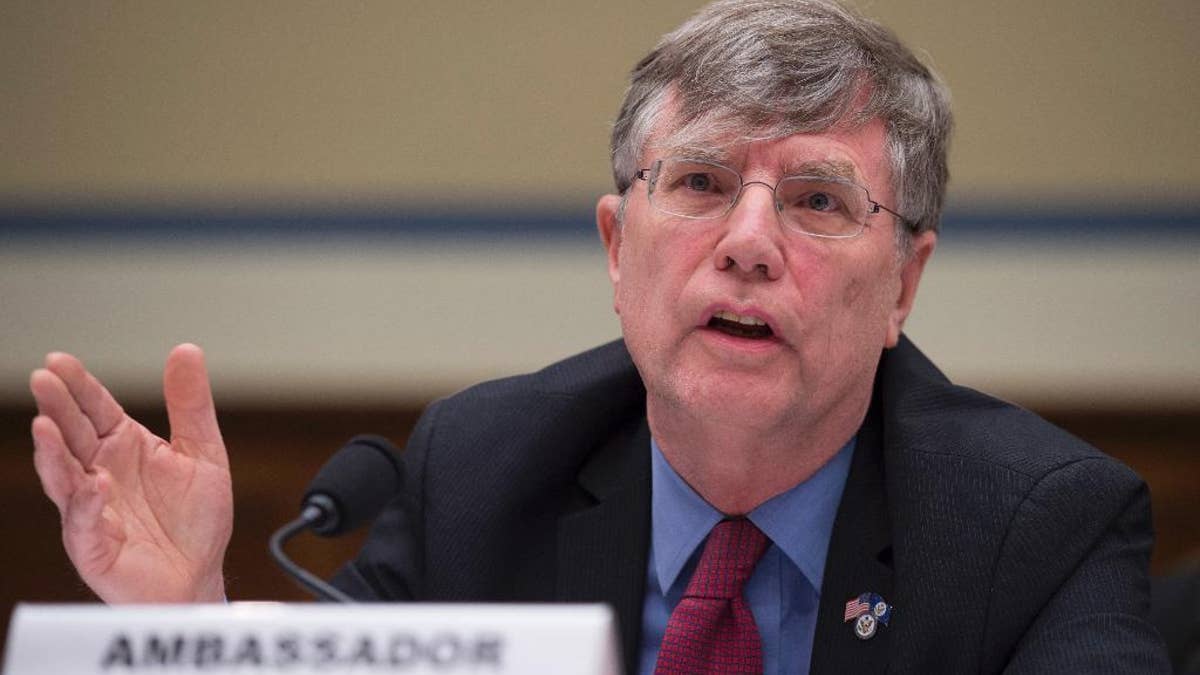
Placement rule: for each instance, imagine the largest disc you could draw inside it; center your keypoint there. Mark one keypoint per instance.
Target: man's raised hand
(143, 519)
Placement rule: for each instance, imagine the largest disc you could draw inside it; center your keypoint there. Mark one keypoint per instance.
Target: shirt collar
(798, 521)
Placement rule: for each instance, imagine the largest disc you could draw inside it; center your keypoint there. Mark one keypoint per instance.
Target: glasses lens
(822, 206)
(693, 189)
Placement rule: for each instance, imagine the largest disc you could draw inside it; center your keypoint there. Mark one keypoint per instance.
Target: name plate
(311, 638)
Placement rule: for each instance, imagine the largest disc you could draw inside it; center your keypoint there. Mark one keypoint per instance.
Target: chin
(724, 400)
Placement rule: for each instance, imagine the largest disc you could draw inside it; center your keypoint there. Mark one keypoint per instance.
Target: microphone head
(354, 485)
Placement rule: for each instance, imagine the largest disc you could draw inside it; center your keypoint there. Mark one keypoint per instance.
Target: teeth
(744, 320)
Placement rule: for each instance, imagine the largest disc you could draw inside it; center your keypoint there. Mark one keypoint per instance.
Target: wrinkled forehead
(715, 136)
(728, 120)
(724, 138)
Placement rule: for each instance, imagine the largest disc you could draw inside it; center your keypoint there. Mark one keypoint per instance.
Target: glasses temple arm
(876, 206)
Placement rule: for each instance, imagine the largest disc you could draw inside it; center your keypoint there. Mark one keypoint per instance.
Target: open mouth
(740, 326)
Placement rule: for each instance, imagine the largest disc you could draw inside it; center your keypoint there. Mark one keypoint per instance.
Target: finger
(190, 405)
(91, 542)
(92, 397)
(56, 467)
(55, 401)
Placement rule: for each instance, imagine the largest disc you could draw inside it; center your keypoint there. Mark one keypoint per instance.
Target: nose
(752, 243)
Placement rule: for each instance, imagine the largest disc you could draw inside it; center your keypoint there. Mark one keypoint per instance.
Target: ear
(910, 277)
(609, 225)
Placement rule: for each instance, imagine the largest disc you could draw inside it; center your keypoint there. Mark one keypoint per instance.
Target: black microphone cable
(305, 579)
(350, 489)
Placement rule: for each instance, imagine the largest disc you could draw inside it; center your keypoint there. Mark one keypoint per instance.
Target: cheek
(656, 263)
(636, 275)
(639, 280)
(866, 304)
(853, 299)
(853, 292)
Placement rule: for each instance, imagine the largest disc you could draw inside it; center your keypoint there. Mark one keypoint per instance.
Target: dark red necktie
(712, 629)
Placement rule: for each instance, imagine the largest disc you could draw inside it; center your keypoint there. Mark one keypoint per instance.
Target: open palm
(143, 519)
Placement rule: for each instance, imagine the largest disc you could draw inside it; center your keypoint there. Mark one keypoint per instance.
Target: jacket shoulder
(928, 415)
(488, 471)
(1026, 527)
(552, 414)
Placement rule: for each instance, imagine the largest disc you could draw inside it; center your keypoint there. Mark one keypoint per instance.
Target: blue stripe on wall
(302, 224)
(308, 224)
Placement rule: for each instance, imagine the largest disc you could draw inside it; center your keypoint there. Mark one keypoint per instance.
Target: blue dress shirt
(785, 588)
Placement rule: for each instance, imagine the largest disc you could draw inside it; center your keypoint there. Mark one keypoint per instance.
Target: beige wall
(332, 101)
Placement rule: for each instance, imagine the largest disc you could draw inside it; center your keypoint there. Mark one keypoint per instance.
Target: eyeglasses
(819, 206)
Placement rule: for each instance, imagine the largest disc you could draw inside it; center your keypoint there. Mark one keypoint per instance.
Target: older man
(764, 475)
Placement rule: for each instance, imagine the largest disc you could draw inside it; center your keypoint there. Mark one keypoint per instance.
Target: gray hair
(773, 68)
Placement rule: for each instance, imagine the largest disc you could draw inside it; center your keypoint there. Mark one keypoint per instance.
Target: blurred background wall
(356, 207)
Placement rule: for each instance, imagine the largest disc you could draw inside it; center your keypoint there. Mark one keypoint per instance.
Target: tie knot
(730, 554)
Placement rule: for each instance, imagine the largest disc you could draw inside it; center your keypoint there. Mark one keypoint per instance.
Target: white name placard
(309, 638)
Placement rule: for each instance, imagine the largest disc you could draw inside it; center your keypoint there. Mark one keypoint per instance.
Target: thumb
(190, 407)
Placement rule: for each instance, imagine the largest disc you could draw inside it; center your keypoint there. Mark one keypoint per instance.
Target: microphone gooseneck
(307, 580)
(350, 489)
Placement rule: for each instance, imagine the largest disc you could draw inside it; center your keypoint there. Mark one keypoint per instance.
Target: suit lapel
(602, 546)
(859, 561)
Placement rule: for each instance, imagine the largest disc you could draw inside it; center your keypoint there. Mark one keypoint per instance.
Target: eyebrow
(825, 168)
(703, 153)
(818, 168)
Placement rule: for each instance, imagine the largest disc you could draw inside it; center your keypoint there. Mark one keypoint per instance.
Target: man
(780, 170)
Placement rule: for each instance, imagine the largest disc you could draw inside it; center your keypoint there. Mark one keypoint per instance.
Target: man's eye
(819, 201)
(700, 182)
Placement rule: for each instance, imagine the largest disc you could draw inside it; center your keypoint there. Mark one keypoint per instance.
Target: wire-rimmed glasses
(819, 206)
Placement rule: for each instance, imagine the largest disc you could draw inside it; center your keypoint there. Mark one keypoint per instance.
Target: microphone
(350, 489)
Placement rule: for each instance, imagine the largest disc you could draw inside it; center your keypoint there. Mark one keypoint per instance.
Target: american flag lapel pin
(867, 611)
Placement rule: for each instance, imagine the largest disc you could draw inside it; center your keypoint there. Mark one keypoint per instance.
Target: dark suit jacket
(1000, 540)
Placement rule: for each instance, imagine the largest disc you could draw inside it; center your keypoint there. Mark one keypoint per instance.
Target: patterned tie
(712, 629)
